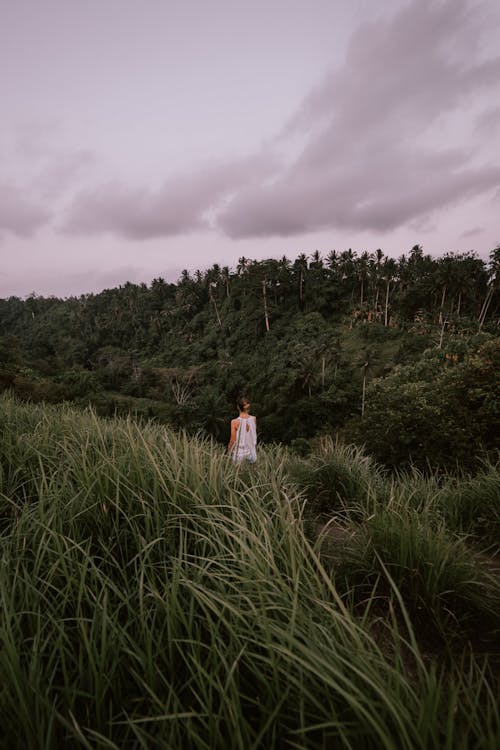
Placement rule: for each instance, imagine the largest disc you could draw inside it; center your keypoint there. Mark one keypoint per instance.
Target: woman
(243, 440)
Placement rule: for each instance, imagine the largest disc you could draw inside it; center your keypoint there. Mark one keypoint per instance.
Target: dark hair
(241, 401)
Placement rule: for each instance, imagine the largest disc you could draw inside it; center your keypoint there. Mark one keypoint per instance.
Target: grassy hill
(153, 595)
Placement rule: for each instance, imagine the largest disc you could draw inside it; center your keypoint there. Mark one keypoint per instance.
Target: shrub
(472, 506)
(336, 477)
(446, 589)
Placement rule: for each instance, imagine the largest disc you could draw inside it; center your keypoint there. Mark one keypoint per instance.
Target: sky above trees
(137, 139)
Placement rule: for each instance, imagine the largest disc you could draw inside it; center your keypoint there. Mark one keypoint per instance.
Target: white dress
(246, 441)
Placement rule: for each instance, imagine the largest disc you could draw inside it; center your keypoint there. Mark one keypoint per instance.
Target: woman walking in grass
(243, 440)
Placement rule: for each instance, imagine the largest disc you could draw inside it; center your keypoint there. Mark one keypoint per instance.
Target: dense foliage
(397, 354)
(153, 595)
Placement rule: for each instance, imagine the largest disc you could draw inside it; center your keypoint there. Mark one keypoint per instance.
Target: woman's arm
(232, 439)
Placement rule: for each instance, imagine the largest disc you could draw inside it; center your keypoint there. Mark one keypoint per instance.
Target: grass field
(154, 596)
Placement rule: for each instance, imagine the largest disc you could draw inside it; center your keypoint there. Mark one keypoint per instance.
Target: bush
(472, 506)
(336, 477)
(444, 587)
(436, 414)
(38, 389)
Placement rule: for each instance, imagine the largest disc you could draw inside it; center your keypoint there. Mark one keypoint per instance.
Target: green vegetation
(436, 413)
(152, 595)
(344, 592)
(398, 356)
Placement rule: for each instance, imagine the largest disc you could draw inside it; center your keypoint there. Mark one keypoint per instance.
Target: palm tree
(362, 267)
(242, 266)
(469, 276)
(242, 271)
(316, 260)
(444, 278)
(225, 276)
(493, 284)
(283, 277)
(332, 262)
(375, 268)
(389, 273)
(300, 266)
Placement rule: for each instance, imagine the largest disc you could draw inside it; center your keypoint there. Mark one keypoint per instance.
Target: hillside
(382, 352)
(154, 596)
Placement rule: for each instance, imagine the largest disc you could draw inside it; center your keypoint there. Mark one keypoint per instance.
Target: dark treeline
(400, 355)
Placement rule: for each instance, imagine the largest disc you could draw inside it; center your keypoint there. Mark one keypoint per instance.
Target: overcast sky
(141, 137)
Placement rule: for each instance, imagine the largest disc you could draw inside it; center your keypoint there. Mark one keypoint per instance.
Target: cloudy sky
(141, 137)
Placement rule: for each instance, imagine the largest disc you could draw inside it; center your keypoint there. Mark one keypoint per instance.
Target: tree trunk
(484, 309)
(441, 336)
(386, 303)
(443, 297)
(216, 308)
(266, 315)
(365, 366)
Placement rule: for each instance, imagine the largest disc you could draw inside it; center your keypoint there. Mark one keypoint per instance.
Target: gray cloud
(373, 154)
(180, 205)
(19, 213)
(393, 194)
(62, 169)
(473, 232)
(45, 170)
(364, 164)
(405, 70)
(488, 124)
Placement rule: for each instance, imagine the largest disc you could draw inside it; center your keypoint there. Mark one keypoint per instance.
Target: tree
(389, 274)
(362, 268)
(441, 413)
(493, 284)
(300, 269)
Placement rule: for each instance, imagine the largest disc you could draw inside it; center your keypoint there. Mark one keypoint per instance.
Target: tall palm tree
(362, 269)
(389, 274)
(300, 266)
(332, 262)
(493, 283)
(375, 273)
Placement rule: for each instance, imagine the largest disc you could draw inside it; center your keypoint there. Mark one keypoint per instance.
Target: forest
(399, 356)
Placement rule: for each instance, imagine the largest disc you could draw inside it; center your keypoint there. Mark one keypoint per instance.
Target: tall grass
(446, 587)
(152, 595)
(337, 477)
